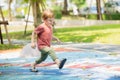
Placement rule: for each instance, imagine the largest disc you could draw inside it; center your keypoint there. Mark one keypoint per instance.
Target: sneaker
(62, 63)
(33, 70)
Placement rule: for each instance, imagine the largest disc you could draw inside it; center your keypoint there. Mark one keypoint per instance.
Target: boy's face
(49, 21)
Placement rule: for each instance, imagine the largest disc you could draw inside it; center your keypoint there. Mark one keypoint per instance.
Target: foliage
(19, 16)
(92, 16)
(57, 11)
(7, 46)
(79, 3)
(105, 16)
(112, 16)
(5, 13)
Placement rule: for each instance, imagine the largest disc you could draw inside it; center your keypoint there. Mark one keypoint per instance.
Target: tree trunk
(37, 7)
(9, 9)
(65, 11)
(6, 30)
(1, 38)
(36, 13)
(99, 15)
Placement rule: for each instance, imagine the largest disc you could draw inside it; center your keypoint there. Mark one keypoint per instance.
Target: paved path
(88, 46)
(92, 46)
(84, 62)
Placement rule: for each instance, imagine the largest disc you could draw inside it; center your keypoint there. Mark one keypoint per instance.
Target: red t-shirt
(44, 36)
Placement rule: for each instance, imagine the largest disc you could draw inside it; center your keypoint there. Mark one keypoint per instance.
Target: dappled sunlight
(100, 35)
(111, 39)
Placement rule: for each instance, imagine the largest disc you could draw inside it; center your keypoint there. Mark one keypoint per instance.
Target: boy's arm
(55, 39)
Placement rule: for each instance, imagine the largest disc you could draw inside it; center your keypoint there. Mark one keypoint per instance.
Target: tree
(65, 11)
(9, 9)
(99, 15)
(37, 7)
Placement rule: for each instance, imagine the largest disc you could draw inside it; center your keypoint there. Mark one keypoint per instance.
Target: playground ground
(84, 62)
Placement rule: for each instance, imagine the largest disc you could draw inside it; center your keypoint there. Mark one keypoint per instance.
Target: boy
(44, 37)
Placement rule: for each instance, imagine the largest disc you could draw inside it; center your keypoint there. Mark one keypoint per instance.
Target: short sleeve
(39, 30)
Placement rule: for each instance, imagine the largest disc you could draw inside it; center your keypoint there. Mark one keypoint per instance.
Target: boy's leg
(54, 58)
(42, 58)
(49, 51)
(52, 54)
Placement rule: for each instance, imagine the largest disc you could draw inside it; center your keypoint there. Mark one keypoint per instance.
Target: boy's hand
(33, 45)
(58, 41)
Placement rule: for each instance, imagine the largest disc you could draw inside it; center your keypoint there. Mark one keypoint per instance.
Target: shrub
(57, 12)
(105, 16)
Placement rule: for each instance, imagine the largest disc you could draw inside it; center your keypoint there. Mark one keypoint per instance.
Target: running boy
(44, 37)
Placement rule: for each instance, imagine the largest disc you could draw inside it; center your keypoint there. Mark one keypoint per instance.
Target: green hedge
(105, 16)
(57, 11)
(58, 14)
(19, 16)
(112, 16)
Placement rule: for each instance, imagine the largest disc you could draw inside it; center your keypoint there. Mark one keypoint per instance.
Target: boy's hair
(47, 14)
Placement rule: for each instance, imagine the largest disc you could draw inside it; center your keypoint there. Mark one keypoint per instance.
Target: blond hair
(47, 14)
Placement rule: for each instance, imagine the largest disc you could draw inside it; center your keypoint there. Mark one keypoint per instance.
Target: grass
(103, 34)
(6, 46)
(109, 34)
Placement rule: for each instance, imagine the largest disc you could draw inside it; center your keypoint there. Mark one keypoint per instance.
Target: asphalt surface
(110, 48)
(85, 61)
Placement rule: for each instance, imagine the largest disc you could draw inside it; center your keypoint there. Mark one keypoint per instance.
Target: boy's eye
(50, 20)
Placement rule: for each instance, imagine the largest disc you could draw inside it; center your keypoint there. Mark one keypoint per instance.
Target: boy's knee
(52, 54)
(51, 51)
